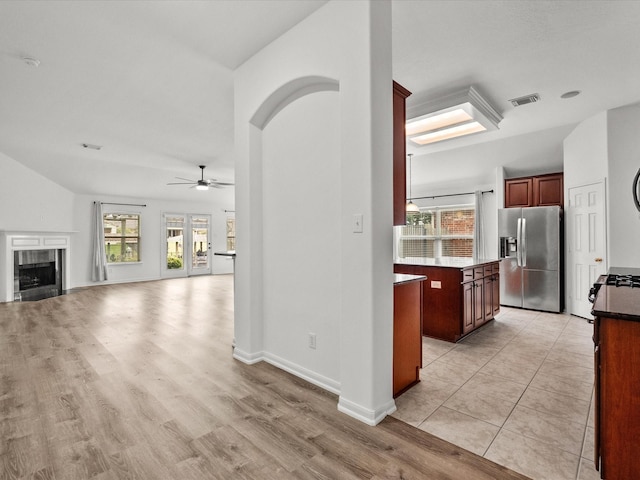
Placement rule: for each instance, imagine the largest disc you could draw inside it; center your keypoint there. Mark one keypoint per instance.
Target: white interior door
(586, 244)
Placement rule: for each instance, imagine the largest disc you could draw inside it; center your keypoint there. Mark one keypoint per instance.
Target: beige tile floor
(518, 391)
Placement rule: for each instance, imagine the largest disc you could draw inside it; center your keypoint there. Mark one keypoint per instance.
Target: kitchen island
(460, 295)
(617, 376)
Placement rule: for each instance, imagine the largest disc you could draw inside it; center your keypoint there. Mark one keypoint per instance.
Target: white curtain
(99, 266)
(478, 230)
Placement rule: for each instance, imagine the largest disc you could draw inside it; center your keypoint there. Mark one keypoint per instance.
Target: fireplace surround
(33, 265)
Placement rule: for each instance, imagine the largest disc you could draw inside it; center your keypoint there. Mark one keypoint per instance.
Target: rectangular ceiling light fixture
(461, 113)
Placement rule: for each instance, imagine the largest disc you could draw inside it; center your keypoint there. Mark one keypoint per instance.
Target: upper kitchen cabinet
(399, 154)
(538, 191)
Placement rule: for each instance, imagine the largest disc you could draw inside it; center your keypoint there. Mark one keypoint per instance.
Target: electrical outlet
(312, 340)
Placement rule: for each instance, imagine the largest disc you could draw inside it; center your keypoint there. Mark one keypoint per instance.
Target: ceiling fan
(202, 184)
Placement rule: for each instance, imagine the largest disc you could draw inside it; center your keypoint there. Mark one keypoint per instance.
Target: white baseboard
(321, 381)
(366, 415)
(248, 358)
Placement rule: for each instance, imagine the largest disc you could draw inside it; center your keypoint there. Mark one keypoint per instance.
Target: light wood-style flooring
(137, 381)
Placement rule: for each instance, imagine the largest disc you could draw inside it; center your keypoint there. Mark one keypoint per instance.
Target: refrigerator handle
(523, 239)
(518, 243)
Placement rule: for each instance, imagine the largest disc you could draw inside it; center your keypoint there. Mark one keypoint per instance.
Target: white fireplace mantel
(12, 241)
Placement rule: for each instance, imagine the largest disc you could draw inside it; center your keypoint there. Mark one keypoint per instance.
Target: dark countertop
(618, 302)
(405, 278)
(448, 262)
(230, 253)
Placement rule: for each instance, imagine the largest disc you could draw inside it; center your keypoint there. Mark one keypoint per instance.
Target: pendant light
(411, 207)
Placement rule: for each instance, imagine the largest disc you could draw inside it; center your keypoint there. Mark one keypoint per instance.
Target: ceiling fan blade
(181, 183)
(213, 181)
(187, 179)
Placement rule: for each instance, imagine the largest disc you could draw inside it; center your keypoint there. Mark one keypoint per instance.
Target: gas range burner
(632, 281)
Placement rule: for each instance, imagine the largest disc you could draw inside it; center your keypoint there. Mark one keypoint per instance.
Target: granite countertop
(405, 278)
(452, 262)
(618, 302)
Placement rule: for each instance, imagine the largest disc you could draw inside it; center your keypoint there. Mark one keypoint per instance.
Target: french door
(187, 245)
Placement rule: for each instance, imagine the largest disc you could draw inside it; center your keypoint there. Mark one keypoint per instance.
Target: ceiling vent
(517, 102)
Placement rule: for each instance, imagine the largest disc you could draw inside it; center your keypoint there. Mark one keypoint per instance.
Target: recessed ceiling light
(571, 94)
(32, 62)
(92, 147)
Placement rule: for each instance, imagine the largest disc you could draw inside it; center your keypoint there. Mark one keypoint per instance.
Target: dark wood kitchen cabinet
(407, 333)
(537, 191)
(456, 300)
(399, 154)
(518, 192)
(495, 288)
(617, 397)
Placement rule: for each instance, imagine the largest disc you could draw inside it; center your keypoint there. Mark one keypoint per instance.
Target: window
(231, 234)
(438, 232)
(122, 237)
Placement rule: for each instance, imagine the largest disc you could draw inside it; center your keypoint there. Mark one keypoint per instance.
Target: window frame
(123, 237)
(436, 234)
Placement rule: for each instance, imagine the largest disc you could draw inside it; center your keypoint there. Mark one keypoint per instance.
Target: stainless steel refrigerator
(531, 251)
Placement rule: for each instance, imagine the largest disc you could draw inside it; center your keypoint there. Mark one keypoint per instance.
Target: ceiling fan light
(202, 187)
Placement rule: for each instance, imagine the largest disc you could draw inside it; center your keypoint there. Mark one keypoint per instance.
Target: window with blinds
(437, 232)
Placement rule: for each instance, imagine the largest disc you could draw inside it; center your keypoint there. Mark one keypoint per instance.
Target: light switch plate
(357, 223)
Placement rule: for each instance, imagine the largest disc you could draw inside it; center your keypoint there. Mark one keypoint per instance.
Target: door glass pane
(175, 244)
(231, 234)
(200, 236)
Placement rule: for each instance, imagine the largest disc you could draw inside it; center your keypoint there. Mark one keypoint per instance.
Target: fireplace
(37, 274)
(34, 265)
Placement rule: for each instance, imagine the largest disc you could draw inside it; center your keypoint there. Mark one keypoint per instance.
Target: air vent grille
(517, 102)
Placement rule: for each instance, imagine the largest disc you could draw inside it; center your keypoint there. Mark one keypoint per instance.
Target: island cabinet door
(407, 335)
(468, 313)
(478, 302)
(487, 288)
(495, 297)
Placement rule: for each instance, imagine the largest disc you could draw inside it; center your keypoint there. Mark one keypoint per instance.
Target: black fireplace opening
(37, 274)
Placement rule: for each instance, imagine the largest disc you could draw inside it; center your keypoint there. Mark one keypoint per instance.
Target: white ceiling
(152, 82)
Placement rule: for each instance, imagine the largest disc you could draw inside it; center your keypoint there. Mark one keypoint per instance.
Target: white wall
(335, 45)
(301, 235)
(31, 202)
(585, 153)
(624, 161)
